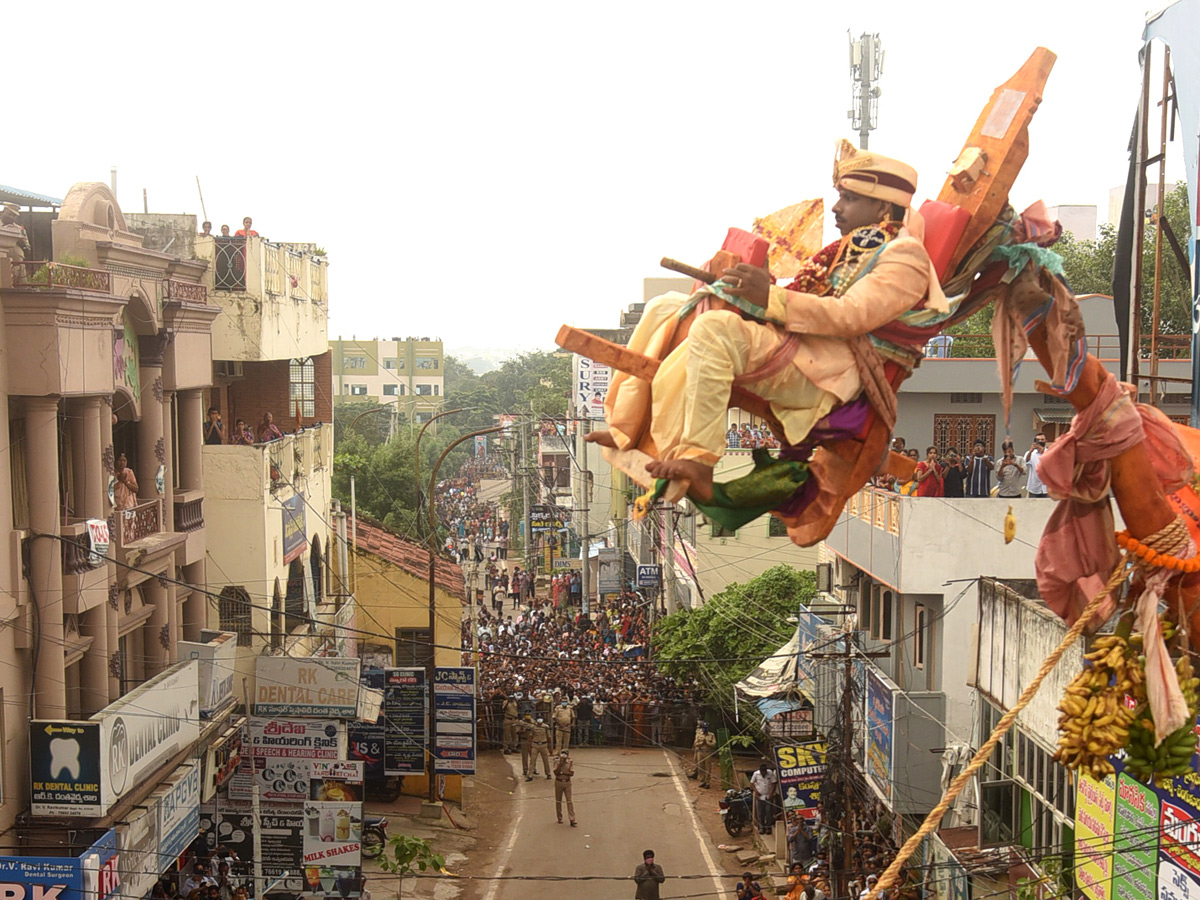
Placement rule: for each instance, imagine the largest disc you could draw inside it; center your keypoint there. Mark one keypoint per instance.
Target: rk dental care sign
(320, 687)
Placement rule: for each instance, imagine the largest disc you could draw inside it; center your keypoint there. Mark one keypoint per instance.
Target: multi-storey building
(107, 354)
(408, 373)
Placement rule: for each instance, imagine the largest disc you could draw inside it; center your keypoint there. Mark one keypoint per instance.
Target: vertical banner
(454, 720)
(1135, 856)
(880, 713)
(591, 387)
(801, 768)
(405, 738)
(333, 815)
(1179, 841)
(1095, 811)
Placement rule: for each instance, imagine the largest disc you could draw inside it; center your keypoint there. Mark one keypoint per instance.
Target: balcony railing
(141, 522)
(185, 291)
(76, 552)
(189, 511)
(50, 274)
(229, 264)
(1101, 346)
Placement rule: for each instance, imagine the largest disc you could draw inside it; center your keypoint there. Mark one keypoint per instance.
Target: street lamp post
(417, 455)
(431, 544)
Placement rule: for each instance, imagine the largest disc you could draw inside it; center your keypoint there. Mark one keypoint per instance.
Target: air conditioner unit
(228, 368)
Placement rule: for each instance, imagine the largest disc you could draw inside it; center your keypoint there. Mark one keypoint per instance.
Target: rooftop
(409, 556)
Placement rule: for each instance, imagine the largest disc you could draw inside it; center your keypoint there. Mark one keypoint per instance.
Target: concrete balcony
(274, 296)
(188, 520)
(260, 470)
(139, 535)
(85, 585)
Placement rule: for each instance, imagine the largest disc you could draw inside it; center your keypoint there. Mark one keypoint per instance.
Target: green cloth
(735, 503)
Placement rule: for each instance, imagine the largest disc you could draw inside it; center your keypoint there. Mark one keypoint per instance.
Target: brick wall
(265, 386)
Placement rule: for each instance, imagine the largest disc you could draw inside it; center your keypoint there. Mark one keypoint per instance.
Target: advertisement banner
(333, 814)
(591, 387)
(282, 841)
(1135, 856)
(231, 824)
(547, 518)
(295, 532)
(611, 577)
(139, 863)
(791, 725)
(277, 754)
(322, 687)
(405, 734)
(801, 768)
(454, 720)
(63, 877)
(216, 656)
(1095, 812)
(178, 813)
(1179, 840)
(64, 769)
(880, 713)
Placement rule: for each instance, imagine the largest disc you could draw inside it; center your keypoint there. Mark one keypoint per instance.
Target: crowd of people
(946, 473)
(750, 437)
(240, 433)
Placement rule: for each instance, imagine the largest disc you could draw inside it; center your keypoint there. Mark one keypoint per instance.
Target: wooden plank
(1002, 133)
(606, 352)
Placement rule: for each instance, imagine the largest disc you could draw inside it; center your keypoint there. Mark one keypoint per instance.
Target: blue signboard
(649, 576)
(90, 876)
(295, 533)
(807, 626)
(403, 717)
(454, 720)
(179, 815)
(801, 769)
(366, 741)
(880, 713)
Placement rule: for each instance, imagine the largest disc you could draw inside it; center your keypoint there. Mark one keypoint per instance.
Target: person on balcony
(214, 430)
(268, 431)
(206, 229)
(224, 231)
(241, 435)
(125, 486)
(246, 230)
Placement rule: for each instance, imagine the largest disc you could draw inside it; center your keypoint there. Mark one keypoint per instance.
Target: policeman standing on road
(510, 721)
(704, 747)
(541, 746)
(564, 769)
(564, 721)
(524, 729)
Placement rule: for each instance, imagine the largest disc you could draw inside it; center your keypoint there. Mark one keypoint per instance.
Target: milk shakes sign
(322, 687)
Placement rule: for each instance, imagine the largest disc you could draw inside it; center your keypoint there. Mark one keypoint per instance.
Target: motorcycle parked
(737, 809)
(374, 836)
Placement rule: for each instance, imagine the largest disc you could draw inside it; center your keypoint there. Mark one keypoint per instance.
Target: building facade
(407, 373)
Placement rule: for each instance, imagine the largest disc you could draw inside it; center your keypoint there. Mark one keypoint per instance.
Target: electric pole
(866, 65)
(584, 511)
(668, 557)
(528, 537)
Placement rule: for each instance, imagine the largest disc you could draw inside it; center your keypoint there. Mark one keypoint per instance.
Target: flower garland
(853, 251)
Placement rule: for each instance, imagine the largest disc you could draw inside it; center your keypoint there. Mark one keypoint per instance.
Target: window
(885, 628)
(436, 390)
(413, 647)
(354, 362)
(864, 605)
(302, 388)
(389, 363)
(776, 527)
(391, 390)
(959, 432)
(294, 605)
(424, 362)
(966, 398)
(422, 417)
(997, 792)
(919, 636)
(720, 531)
(234, 610)
(358, 390)
(424, 390)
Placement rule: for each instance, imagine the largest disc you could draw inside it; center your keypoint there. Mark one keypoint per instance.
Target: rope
(890, 876)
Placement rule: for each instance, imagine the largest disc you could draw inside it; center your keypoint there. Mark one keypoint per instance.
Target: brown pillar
(157, 626)
(91, 491)
(195, 607)
(45, 579)
(115, 575)
(168, 435)
(151, 442)
(191, 438)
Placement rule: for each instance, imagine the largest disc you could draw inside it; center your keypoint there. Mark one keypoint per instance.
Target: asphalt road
(626, 801)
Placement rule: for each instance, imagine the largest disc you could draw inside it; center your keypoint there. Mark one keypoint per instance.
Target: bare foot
(700, 475)
(603, 437)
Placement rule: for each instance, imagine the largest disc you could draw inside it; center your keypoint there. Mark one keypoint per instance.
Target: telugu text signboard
(454, 720)
(1095, 812)
(801, 768)
(404, 709)
(1136, 850)
(277, 753)
(547, 518)
(322, 687)
(90, 876)
(65, 769)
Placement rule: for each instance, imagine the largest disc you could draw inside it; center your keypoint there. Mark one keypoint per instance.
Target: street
(626, 801)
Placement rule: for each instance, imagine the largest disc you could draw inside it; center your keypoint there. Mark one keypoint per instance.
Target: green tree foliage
(727, 637)
(410, 855)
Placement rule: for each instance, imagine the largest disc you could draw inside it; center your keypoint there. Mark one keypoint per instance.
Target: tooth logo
(64, 754)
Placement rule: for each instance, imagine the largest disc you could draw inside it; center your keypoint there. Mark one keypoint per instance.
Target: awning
(26, 198)
(1055, 416)
(772, 706)
(777, 675)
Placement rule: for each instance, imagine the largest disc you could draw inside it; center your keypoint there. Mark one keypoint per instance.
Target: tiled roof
(27, 198)
(409, 556)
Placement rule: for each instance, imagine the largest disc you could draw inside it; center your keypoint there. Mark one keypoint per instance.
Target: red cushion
(944, 226)
(750, 247)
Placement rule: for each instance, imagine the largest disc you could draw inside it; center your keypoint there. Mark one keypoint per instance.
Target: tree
(409, 856)
(726, 638)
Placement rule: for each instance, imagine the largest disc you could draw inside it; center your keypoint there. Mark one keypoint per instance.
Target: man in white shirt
(1034, 485)
(764, 781)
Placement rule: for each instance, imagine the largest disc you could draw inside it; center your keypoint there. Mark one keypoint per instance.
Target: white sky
(484, 172)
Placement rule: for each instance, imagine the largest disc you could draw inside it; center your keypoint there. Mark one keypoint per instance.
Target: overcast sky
(484, 172)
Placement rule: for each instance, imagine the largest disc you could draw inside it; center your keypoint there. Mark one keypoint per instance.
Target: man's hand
(748, 282)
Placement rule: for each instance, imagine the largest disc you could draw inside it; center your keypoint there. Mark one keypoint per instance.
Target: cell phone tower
(866, 65)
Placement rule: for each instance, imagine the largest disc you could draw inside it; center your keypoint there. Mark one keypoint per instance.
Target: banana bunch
(1094, 722)
(1173, 756)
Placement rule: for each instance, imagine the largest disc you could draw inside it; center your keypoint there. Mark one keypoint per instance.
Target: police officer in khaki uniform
(524, 732)
(510, 721)
(540, 734)
(564, 770)
(704, 747)
(564, 721)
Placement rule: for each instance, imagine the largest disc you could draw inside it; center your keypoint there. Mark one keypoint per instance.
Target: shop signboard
(1135, 856)
(801, 768)
(610, 578)
(282, 840)
(879, 715)
(139, 862)
(277, 755)
(322, 687)
(216, 654)
(333, 814)
(179, 812)
(547, 518)
(649, 576)
(295, 532)
(405, 733)
(229, 824)
(147, 727)
(591, 387)
(454, 720)
(1095, 815)
(90, 876)
(64, 769)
